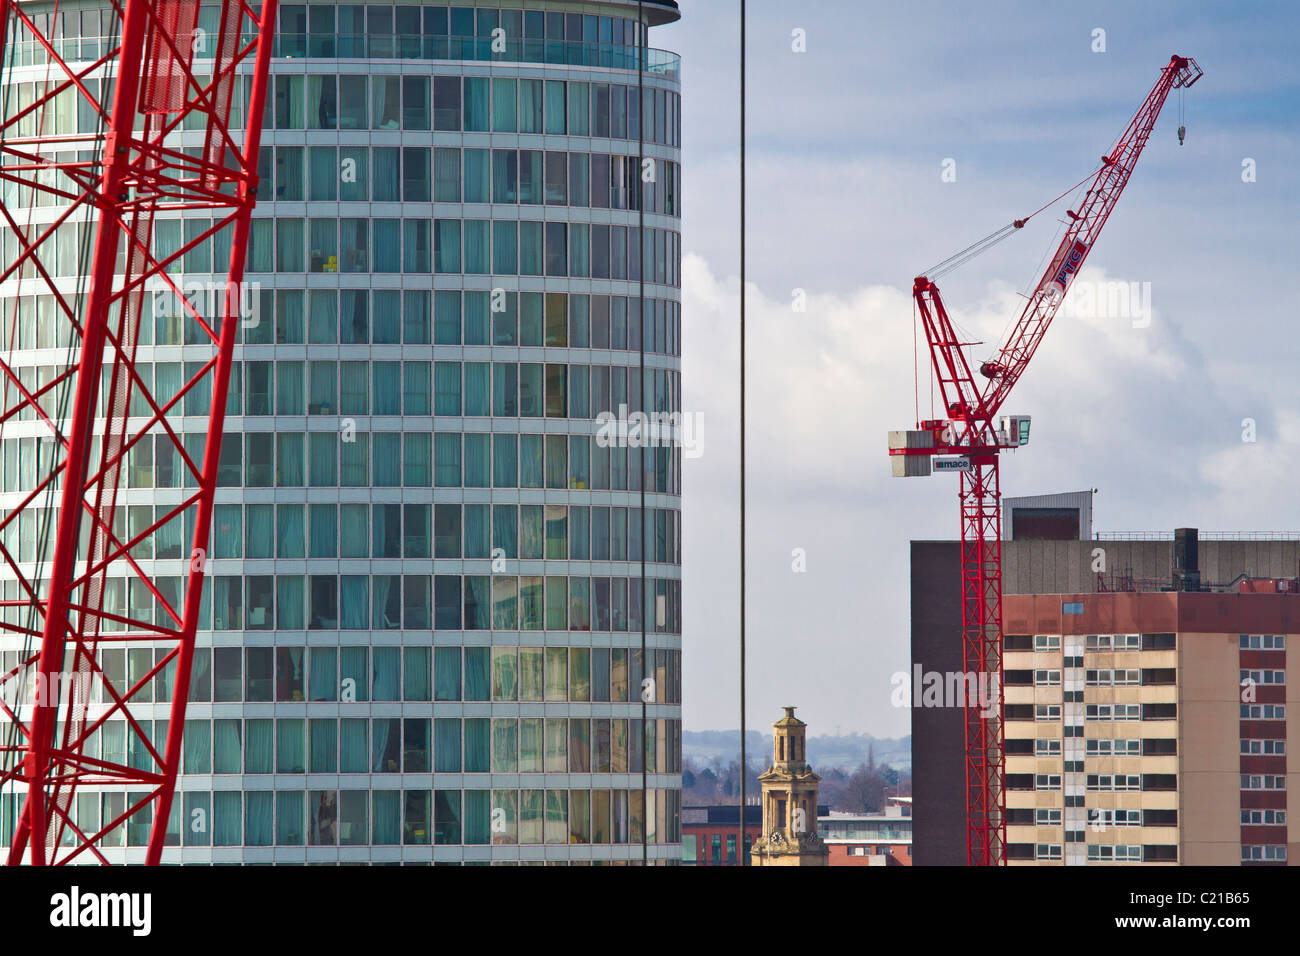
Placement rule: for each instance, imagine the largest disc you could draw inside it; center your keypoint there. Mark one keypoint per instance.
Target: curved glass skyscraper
(443, 613)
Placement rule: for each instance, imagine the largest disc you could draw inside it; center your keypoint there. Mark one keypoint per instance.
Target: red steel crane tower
(165, 116)
(973, 435)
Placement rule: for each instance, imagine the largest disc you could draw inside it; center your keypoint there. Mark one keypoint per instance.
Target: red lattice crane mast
(971, 433)
(163, 138)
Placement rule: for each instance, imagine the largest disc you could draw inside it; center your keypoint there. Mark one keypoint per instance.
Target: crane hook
(1182, 134)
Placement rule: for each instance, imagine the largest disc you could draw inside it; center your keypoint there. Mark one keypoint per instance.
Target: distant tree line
(860, 791)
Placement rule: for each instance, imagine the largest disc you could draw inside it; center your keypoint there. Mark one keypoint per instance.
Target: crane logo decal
(1070, 264)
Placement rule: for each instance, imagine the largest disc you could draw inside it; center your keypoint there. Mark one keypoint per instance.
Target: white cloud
(1131, 411)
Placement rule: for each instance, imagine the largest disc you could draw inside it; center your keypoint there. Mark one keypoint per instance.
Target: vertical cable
(640, 202)
(740, 848)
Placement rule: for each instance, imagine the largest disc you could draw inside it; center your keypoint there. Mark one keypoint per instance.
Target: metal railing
(609, 56)
(1203, 536)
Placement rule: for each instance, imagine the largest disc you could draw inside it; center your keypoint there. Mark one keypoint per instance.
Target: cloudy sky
(847, 145)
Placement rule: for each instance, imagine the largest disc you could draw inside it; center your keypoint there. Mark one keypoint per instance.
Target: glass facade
(421, 634)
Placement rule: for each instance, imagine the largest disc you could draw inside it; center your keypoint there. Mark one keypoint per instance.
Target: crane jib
(1069, 265)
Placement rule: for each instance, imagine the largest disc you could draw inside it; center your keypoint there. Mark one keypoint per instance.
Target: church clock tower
(790, 802)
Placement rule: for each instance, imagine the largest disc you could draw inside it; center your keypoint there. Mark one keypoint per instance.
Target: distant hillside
(846, 751)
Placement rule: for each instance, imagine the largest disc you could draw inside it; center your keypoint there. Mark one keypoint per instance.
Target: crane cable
(993, 238)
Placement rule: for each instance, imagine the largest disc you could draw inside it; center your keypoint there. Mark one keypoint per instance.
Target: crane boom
(1080, 236)
(969, 431)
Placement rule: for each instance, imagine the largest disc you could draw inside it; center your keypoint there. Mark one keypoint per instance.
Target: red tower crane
(157, 103)
(971, 433)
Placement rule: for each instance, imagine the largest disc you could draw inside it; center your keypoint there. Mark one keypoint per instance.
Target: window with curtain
(503, 106)
(290, 595)
(386, 102)
(354, 748)
(415, 316)
(555, 111)
(446, 175)
(446, 745)
(417, 451)
(387, 601)
(530, 461)
(387, 387)
(290, 745)
(259, 746)
(387, 459)
(415, 388)
(530, 106)
(477, 531)
(387, 673)
(289, 238)
(354, 325)
(323, 317)
(476, 115)
(387, 817)
(505, 254)
(478, 461)
(324, 732)
(447, 246)
(323, 459)
(354, 378)
(290, 536)
(354, 530)
(289, 388)
(354, 593)
(355, 461)
(476, 175)
(477, 260)
(579, 109)
(416, 245)
(227, 531)
(447, 470)
(289, 810)
(386, 163)
(289, 453)
(505, 532)
(415, 673)
(447, 388)
(447, 673)
(323, 670)
(226, 812)
(531, 249)
(323, 173)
